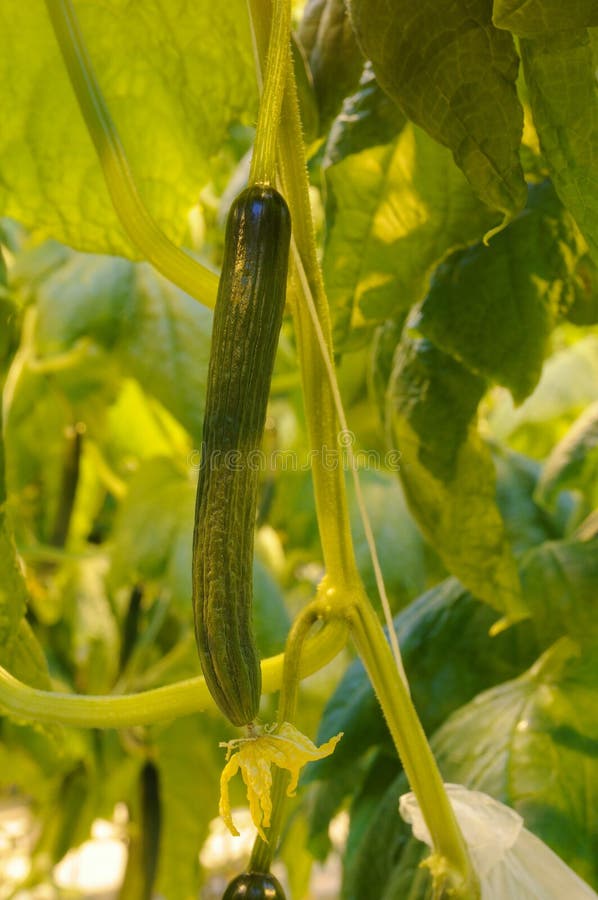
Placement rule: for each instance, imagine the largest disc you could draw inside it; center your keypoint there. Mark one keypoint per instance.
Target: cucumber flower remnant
(509, 860)
(287, 748)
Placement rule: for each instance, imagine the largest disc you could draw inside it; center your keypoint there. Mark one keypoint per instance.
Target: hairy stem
(263, 161)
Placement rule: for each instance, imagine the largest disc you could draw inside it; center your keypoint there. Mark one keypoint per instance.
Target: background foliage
(477, 360)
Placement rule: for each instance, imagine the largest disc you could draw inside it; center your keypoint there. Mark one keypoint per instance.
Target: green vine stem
(263, 160)
(320, 413)
(183, 698)
(413, 749)
(141, 228)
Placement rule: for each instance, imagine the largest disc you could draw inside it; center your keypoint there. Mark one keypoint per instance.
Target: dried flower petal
(284, 747)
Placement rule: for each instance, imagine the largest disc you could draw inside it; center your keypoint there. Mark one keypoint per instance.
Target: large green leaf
(334, 57)
(368, 118)
(560, 72)
(559, 582)
(532, 743)
(394, 211)
(454, 74)
(493, 308)
(175, 76)
(531, 17)
(447, 472)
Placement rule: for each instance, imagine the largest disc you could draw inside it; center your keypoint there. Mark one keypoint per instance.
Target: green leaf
(157, 333)
(560, 71)
(189, 764)
(573, 463)
(157, 91)
(393, 212)
(447, 472)
(453, 73)
(493, 307)
(530, 17)
(532, 743)
(559, 583)
(334, 57)
(368, 118)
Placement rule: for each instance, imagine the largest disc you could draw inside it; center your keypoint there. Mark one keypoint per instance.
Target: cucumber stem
(263, 160)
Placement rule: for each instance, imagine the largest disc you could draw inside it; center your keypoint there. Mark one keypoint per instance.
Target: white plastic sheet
(511, 862)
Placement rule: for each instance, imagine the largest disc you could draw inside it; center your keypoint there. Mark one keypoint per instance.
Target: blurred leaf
(559, 582)
(447, 471)
(401, 550)
(189, 763)
(382, 351)
(296, 857)
(526, 523)
(153, 529)
(271, 620)
(531, 17)
(156, 92)
(568, 384)
(334, 58)
(93, 635)
(393, 212)
(453, 74)
(493, 308)
(573, 463)
(559, 70)
(532, 743)
(158, 334)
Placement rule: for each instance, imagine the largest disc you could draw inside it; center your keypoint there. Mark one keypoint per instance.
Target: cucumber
(247, 322)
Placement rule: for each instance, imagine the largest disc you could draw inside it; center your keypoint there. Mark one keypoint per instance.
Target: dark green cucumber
(254, 886)
(247, 321)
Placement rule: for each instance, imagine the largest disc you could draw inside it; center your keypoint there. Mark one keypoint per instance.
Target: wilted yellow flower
(287, 748)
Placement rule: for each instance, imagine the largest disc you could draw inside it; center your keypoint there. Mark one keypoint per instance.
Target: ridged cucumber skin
(247, 322)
